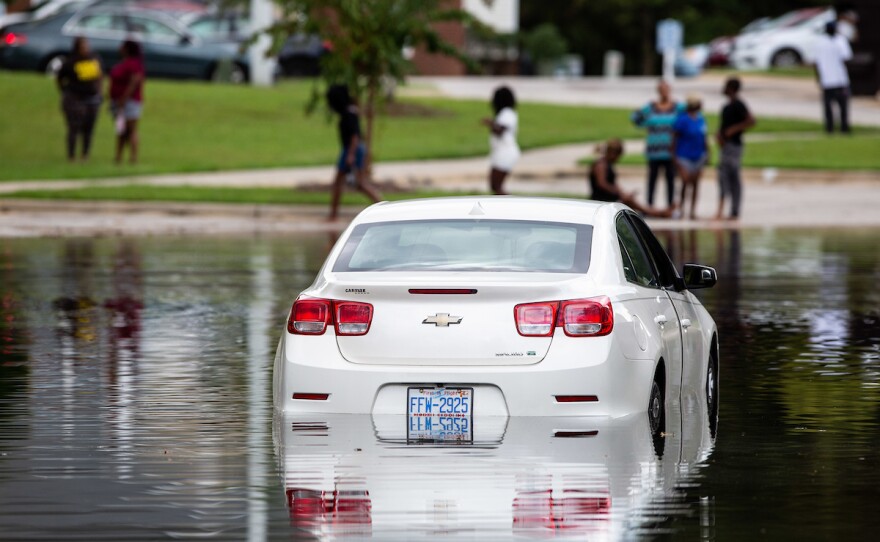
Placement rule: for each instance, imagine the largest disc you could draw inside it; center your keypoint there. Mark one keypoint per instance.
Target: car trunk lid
(445, 318)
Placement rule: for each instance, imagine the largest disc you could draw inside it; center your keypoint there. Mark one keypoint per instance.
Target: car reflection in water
(359, 475)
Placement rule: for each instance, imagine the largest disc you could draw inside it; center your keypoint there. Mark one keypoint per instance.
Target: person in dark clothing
(79, 81)
(735, 119)
(350, 165)
(603, 182)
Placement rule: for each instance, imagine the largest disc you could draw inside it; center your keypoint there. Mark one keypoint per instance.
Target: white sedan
(449, 309)
(784, 42)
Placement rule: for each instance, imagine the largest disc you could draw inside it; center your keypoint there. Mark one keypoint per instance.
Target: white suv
(787, 41)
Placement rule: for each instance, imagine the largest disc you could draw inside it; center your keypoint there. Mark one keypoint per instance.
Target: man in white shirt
(832, 52)
(847, 21)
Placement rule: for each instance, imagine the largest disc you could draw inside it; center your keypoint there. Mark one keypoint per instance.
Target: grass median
(857, 152)
(211, 194)
(195, 126)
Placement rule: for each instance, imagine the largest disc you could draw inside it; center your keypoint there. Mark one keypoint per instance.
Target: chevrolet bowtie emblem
(442, 319)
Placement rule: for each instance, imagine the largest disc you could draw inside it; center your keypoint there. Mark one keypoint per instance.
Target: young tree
(368, 39)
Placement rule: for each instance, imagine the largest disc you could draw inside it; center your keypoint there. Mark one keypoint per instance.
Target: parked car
(447, 309)
(784, 42)
(721, 47)
(691, 60)
(178, 8)
(232, 26)
(300, 55)
(170, 50)
(41, 10)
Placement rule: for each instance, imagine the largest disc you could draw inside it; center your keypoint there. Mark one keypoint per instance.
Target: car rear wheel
(657, 412)
(786, 58)
(228, 72)
(237, 75)
(712, 390)
(53, 64)
(655, 407)
(712, 385)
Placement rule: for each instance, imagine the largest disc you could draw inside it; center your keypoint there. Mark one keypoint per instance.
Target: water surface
(135, 404)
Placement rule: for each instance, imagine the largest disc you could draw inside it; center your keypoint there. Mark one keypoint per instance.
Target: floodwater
(135, 404)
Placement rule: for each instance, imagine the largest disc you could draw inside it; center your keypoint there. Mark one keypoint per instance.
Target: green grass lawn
(857, 152)
(194, 126)
(802, 72)
(860, 151)
(203, 194)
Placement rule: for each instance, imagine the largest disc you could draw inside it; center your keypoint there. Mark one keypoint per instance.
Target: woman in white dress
(502, 138)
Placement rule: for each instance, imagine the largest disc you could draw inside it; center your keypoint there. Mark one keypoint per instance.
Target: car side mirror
(699, 276)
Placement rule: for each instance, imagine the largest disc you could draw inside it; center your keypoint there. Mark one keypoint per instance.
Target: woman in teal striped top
(657, 117)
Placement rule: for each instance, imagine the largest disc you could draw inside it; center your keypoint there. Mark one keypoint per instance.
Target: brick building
(500, 15)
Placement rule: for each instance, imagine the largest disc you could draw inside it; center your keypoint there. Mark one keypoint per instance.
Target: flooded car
(448, 310)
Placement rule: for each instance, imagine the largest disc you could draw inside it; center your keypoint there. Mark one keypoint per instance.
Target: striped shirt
(658, 145)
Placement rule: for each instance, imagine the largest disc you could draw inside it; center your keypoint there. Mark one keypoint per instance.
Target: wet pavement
(135, 404)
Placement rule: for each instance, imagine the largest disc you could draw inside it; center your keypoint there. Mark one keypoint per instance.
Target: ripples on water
(135, 403)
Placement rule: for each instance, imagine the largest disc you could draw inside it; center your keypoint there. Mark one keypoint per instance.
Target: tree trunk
(647, 42)
(370, 114)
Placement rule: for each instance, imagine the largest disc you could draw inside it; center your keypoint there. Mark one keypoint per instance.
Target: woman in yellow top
(79, 80)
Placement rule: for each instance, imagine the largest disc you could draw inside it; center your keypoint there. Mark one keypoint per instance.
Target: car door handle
(685, 323)
(660, 319)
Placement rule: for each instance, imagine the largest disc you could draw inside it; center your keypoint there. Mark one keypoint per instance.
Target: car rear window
(467, 245)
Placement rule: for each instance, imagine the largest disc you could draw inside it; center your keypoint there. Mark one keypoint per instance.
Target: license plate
(440, 415)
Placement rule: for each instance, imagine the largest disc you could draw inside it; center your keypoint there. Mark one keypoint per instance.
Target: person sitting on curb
(603, 177)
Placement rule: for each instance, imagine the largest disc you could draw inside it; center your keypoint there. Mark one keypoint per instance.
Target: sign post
(670, 37)
(262, 69)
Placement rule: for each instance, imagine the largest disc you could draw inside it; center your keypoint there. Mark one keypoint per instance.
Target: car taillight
(591, 317)
(536, 319)
(12, 39)
(311, 316)
(587, 317)
(353, 318)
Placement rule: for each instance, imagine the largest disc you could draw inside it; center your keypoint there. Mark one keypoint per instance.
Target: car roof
(487, 207)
